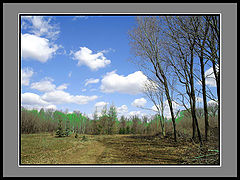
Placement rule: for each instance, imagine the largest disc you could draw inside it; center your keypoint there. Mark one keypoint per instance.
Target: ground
(44, 148)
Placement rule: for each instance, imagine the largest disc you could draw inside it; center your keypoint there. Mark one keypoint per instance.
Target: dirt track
(112, 149)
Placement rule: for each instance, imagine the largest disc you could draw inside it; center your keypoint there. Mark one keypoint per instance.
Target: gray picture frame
(228, 129)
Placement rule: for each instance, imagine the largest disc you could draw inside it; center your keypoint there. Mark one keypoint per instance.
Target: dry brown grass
(44, 148)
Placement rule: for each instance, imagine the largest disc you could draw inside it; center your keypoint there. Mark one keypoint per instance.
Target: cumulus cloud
(26, 74)
(32, 99)
(44, 85)
(79, 99)
(212, 102)
(91, 81)
(99, 107)
(37, 48)
(51, 106)
(139, 102)
(57, 95)
(52, 96)
(122, 110)
(62, 87)
(136, 113)
(41, 26)
(130, 84)
(62, 97)
(101, 104)
(86, 57)
(210, 78)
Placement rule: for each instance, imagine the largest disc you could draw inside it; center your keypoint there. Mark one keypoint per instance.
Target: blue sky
(80, 63)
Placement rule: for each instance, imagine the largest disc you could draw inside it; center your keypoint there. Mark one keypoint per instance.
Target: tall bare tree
(182, 36)
(213, 52)
(146, 41)
(200, 51)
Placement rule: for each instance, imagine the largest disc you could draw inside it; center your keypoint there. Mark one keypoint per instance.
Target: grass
(45, 148)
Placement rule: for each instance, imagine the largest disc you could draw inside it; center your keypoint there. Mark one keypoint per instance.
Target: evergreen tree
(60, 132)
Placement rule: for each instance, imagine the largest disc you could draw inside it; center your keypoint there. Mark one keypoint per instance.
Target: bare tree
(182, 37)
(146, 41)
(212, 50)
(200, 49)
(155, 92)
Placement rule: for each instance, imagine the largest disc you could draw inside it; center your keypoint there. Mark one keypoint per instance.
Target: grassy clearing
(44, 148)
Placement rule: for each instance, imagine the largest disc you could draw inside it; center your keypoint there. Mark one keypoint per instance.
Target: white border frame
(122, 166)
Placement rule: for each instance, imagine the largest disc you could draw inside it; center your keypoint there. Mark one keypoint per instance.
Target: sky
(80, 63)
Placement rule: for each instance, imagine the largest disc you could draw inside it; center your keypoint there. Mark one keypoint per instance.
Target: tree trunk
(204, 99)
(192, 93)
(172, 113)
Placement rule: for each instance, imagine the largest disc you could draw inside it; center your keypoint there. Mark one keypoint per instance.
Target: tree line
(106, 123)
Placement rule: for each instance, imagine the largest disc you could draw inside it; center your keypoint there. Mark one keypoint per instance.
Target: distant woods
(175, 52)
(63, 124)
(106, 123)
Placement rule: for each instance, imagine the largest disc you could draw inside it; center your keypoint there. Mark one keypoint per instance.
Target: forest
(64, 123)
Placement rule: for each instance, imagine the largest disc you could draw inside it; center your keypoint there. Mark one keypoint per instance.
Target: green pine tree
(59, 132)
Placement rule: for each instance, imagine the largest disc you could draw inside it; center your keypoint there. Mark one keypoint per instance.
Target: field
(45, 148)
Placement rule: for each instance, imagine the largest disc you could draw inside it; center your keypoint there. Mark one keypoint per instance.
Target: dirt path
(137, 150)
(111, 149)
(86, 154)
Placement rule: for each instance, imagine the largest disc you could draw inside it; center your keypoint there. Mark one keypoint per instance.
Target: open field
(44, 148)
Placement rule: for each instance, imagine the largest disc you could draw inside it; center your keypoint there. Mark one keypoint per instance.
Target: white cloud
(50, 99)
(86, 57)
(101, 104)
(61, 97)
(122, 110)
(51, 106)
(32, 99)
(41, 26)
(212, 102)
(26, 74)
(139, 102)
(136, 113)
(99, 107)
(91, 81)
(130, 84)
(37, 48)
(83, 99)
(210, 78)
(44, 85)
(62, 87)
